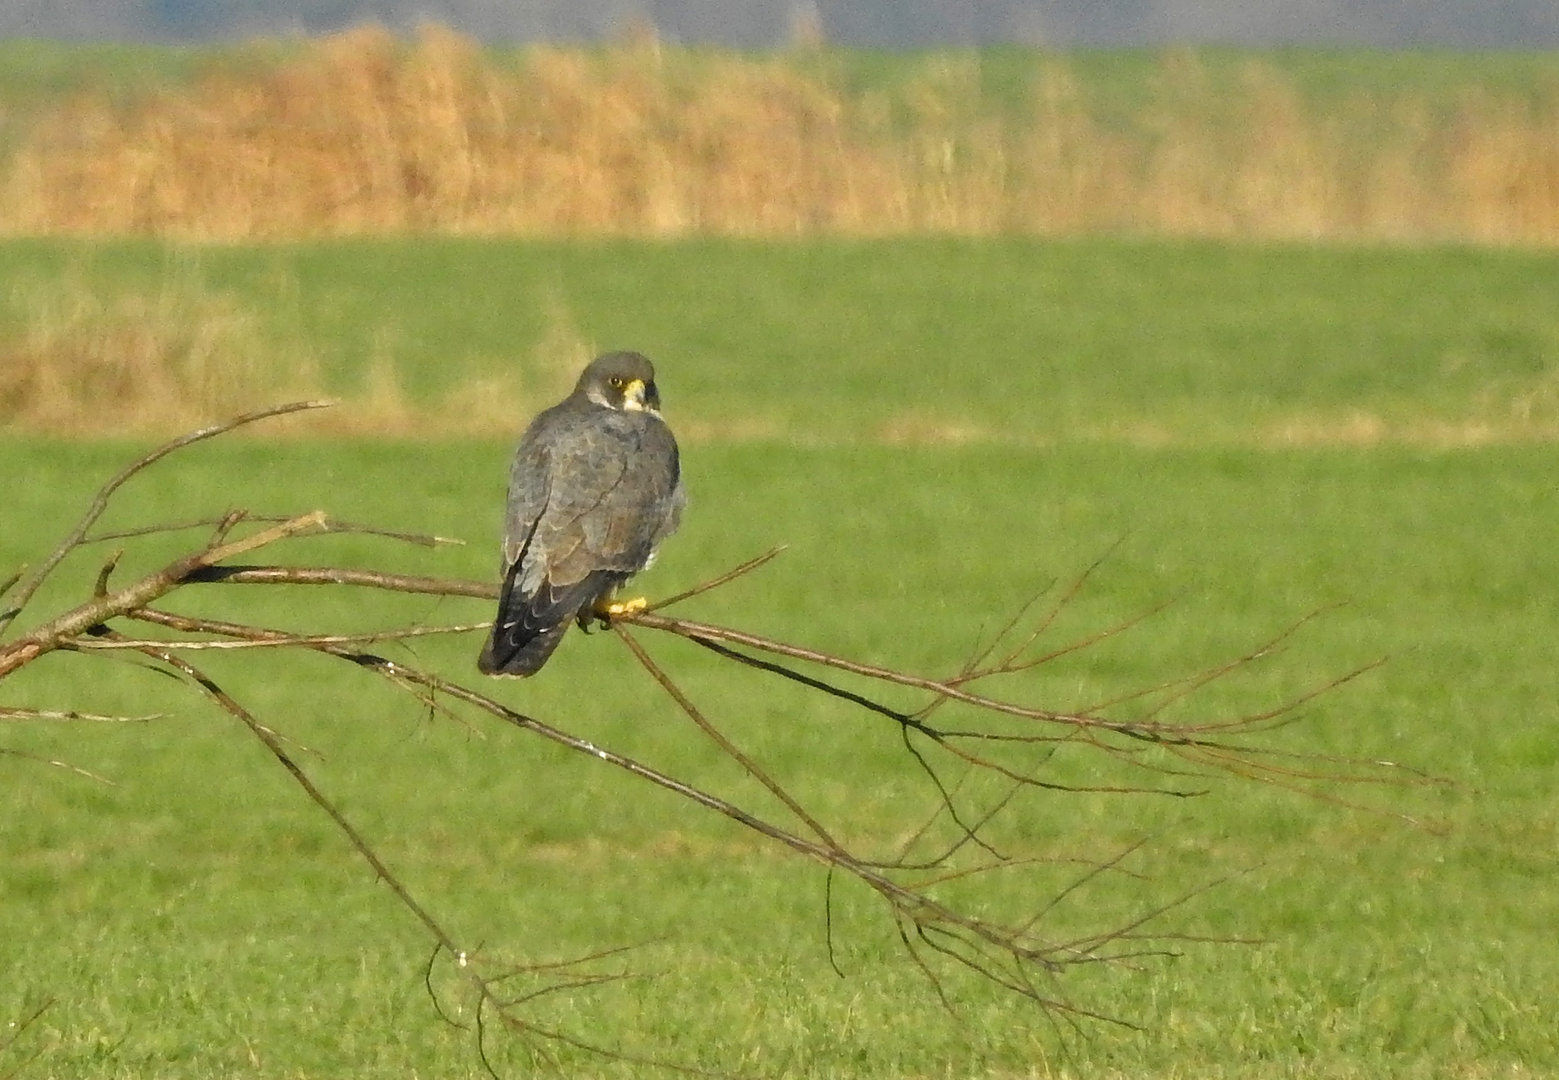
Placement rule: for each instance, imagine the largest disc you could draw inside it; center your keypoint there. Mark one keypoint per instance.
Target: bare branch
(721, 741)
(332, 526)
(72, 624)
(919, 908)
(105, 493)
(367, 638)
(10, 713)
(1179, 739)
(67, 766)
(1000, 747)
(1061, 604)
(714, 583)
(326, 575)
(483, 985)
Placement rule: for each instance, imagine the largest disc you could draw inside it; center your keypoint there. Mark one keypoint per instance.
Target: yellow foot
(624, 607)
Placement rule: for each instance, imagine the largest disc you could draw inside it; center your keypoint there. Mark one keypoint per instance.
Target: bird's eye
(616, 382)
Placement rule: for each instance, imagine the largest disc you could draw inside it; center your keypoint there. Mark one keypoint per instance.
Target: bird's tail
(525, 632)
(503, 656)
(530, 626)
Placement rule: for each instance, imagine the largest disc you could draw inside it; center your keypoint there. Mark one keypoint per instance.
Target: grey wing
(535, 606)
(530, 483)
(590, 497)
(614, 496)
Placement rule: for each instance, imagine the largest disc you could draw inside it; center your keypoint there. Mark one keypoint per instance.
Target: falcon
(595, 487)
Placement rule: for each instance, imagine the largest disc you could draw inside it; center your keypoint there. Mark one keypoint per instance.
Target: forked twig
(100, 501)
(729, 748)
(72, 625)
(715, 582)
(485, 986)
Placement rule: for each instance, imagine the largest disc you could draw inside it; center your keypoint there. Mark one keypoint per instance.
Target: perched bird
(595, 487)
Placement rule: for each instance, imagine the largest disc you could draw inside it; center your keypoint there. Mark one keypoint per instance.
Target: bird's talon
(625, 607)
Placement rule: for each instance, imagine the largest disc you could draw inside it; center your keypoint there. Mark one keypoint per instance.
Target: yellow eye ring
(616, 382)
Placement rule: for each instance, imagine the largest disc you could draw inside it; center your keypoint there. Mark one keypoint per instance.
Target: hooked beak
(639, 396)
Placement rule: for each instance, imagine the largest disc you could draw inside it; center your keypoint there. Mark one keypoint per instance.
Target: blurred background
(1518, 24)
(205, 127)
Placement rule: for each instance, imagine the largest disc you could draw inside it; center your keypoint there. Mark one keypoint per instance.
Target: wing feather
(592, 493)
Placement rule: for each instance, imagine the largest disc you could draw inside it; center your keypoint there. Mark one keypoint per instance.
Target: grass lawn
(199, 918)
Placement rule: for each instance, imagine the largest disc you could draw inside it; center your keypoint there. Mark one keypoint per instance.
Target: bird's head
(624, 381)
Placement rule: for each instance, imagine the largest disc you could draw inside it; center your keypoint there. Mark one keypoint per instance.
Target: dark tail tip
(522, 661)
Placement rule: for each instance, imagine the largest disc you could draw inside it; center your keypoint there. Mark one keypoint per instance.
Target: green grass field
(201, 919)
(839, 343)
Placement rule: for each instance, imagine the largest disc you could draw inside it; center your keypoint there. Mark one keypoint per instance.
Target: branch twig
(100, 501)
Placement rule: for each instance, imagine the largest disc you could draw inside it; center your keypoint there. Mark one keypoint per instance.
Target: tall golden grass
(362, 133)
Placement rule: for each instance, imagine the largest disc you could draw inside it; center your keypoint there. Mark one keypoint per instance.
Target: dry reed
(80, 359)
(83, 361)
(362, 133)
